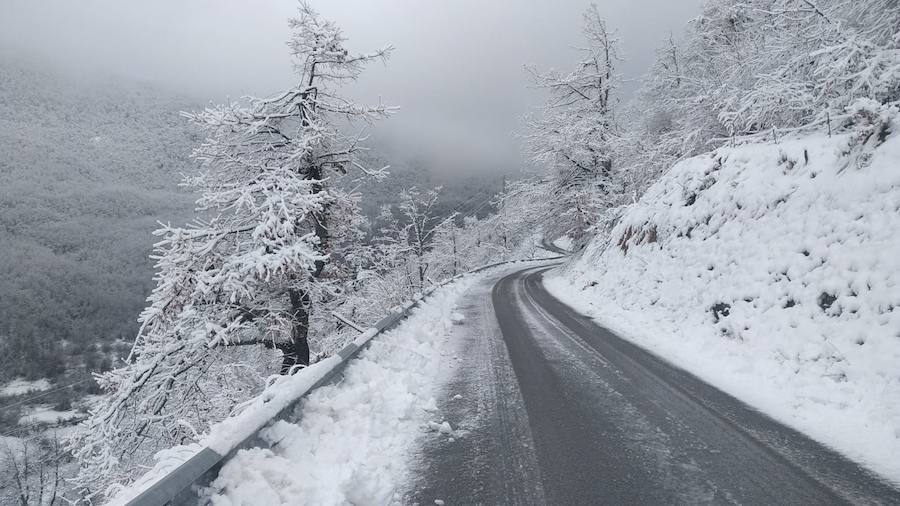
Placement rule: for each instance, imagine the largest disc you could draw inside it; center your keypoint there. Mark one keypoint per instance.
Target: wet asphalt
(550, 408)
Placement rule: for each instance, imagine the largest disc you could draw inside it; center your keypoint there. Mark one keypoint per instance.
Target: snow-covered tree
(572, 132)
(445, 256)
(407, 237)
(818, 57)
(265, 247)
(746, 66)
(751, 66)
(517, 221)
(32, 474)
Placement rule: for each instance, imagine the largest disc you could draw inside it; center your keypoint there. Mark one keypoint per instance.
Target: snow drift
(772, 271)
(349, 442)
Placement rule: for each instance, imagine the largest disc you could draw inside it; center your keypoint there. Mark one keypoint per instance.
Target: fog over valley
(457, 72)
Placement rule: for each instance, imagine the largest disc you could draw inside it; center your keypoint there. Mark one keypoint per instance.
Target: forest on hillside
(86, 170)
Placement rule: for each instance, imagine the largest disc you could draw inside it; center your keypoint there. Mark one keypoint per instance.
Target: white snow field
(772, 271)
(21, 386)
(45, 414)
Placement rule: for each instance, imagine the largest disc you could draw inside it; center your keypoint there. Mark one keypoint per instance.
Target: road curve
(549, 246)
(554, 409)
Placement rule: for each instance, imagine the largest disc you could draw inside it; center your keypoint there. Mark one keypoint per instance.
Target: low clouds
(456, 74)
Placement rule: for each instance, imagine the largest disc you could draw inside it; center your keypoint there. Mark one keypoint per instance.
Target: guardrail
(181, 485)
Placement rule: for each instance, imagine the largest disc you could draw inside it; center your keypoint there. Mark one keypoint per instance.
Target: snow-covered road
(494, 392)
(553, 409)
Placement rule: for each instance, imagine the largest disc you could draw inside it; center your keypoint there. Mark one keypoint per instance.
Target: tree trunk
(421, 275)
(455, 255)
(296, 352)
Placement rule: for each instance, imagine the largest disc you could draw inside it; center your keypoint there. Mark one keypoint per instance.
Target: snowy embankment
(350, 441)
(773, 272)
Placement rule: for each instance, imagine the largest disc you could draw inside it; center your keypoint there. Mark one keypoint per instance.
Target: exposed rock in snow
(442, 427)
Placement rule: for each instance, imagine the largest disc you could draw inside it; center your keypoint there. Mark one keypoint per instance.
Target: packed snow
(773, 272)
(21, 386)
(349, 441)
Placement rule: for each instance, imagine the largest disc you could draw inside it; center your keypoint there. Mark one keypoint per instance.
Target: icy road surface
(549, 408)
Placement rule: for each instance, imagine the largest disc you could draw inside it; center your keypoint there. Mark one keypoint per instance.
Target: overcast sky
(456, 74)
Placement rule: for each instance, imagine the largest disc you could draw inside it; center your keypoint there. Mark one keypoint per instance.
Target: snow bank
(350, 444)
(278, 395)
(773, 272)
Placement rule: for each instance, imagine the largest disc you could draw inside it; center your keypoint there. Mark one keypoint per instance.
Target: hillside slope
(772, 271)
(86, 170)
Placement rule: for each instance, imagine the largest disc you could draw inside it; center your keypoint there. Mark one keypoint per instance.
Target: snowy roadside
(404, 363)
(350, 442)
(771, 272)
